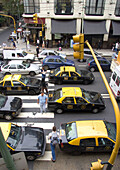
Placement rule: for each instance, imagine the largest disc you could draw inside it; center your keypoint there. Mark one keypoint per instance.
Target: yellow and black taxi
(74, 99)
(30, 140)
(87, 136)
(10, 107)
(19, 84)
(69, 74)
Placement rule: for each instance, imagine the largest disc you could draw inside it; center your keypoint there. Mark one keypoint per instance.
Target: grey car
(87, 53)
(20, 67)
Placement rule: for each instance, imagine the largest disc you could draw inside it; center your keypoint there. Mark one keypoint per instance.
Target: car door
(21, 69)
(74, 77)
(50, 63)
(68, 103)
(19, 88)
(104, 145)
(7, 87)
(65, 76)
(12, 69)
(105, 65)
(82, 104)
(88, 145)
(58, 63)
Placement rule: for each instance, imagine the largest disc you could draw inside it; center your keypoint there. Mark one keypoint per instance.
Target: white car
(45, 53)
(21, 67)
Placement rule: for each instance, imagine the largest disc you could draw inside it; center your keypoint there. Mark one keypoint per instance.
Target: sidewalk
(68, 51)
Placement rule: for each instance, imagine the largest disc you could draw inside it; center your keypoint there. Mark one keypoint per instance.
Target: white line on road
(35, 115)
(47, 156)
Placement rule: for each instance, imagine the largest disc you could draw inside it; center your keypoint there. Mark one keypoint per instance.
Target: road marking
(30, 105)
(47, 156)
(82, 65)
(105, 96)
(35, 115)
(32, 124)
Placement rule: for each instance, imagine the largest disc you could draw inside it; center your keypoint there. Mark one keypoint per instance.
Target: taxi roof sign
(67, 68)
(91, 128)
(5, 127)
(72, 91)
(11, 76)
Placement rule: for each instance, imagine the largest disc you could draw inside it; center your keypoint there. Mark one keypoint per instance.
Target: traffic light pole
(5, 153)
(117, 114)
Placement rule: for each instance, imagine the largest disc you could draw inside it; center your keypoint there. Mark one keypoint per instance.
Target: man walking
(37, 50)
(42, 100)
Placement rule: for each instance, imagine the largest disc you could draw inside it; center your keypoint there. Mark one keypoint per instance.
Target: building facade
(99, 20)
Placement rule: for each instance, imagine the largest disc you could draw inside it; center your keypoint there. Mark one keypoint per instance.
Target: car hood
(34, 67)
(62, 55)
(34, 82)
(30, 56)
(86, 73)
(32, 139)
(96, 98)
(69, 61)
(12, 104)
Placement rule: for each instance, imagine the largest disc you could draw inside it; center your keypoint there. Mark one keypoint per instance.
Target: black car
(69, 74)
(18, 84)
(10, 107)
(30, 140)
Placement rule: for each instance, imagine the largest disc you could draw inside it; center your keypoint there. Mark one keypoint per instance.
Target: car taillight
(88, 64)
(118, 93)
(62, 146)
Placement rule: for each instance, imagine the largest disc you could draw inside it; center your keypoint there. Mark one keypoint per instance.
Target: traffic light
(35, 18)
(40, 33)
(79, 47)
(97, 165)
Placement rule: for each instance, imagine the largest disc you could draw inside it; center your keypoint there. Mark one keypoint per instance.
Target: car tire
(59, 110)
(95, 110)
(31, 92)
(46, 67)
(8, 117)
(32, 73)
(28, 60)
(30, 157)
(92, 69)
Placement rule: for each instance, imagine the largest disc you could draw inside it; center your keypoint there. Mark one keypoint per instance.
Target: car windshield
(78, 71)
(14, 136)
(57, 94)
(90, 96)
(63, 59)
(56, 53)
(24, 53)
(56, 70)
(24, 79)
(71, 131)
(111, 129)
(27, 65)
(89, 60)
(3, 100)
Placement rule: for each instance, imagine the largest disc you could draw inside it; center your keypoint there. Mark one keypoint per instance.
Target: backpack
(54, 138)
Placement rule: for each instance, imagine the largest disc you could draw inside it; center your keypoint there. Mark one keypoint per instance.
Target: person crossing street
(42, 100)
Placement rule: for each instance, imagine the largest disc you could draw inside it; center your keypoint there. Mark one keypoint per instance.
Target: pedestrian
(42, 100)
(99, 45)
(116, 46)
(14, 45)
(44, 86)
(28, 45)
(43, 73)
(47, 43)
(59, 46)
(37, 50)
(38, 42)
(54, 139)
(66, 43)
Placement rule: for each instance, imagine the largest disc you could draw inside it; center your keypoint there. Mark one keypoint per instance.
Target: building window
(63, 7)
(94, 7)
(31, 6)
(117, 9)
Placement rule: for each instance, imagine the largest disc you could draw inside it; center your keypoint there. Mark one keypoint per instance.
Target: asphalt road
(65, 161)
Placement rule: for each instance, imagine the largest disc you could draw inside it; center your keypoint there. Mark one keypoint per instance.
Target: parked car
(52, 62)
(20, 67)
(104, 63)
(87, 136)
(30, 140)
(74, 99)
(18, 84)
(45, 53)
(69, 74)
(10, 107)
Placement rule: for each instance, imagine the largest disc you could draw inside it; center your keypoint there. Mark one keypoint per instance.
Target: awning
(64, 26)
(116, 27)
(95, 27)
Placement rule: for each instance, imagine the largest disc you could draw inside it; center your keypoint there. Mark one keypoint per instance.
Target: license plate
(50, 95)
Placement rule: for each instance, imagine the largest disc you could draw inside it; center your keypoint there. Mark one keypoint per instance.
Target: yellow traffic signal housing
(97, 165)
(40, 33)
(35, 18)
(79, 47)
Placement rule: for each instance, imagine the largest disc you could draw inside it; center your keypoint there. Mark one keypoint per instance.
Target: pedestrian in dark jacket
(44, 86)
(37, 50)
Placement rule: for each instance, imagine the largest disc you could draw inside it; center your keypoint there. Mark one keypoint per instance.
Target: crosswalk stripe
(30, 105)
(32, 124)
(105, 96)
(35, 115)
(46, 157)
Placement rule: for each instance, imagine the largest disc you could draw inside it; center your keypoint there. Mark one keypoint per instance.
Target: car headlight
(73, 64)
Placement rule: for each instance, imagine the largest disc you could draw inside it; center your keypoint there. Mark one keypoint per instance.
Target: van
(115, 82)
(17, 54)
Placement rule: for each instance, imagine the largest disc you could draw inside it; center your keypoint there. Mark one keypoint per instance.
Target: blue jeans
(53, 151)
(42, 107)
